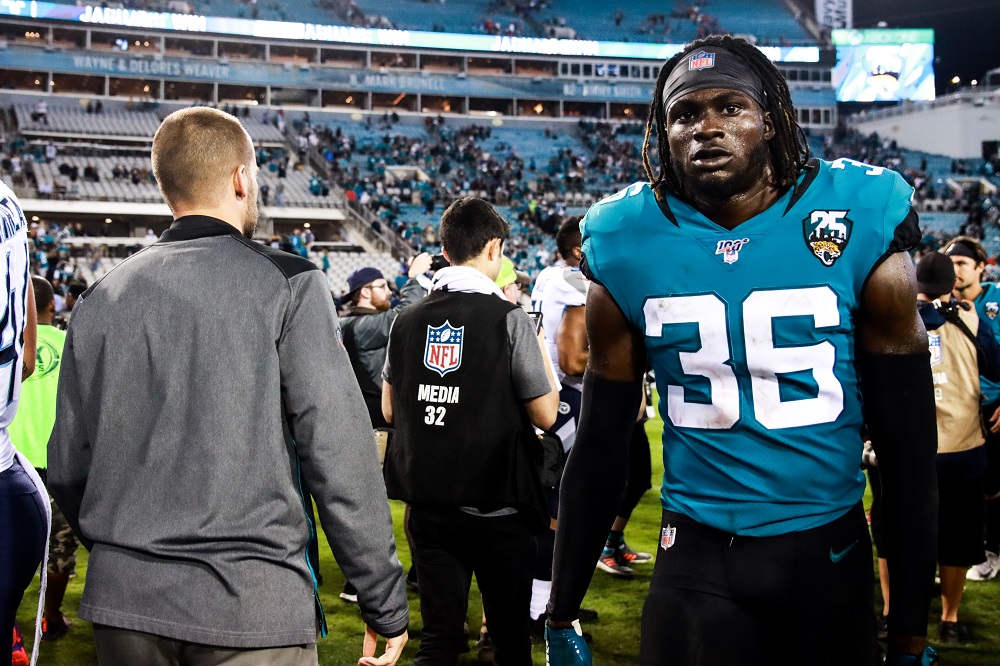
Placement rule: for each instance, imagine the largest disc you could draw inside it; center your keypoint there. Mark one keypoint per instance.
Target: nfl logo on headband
(701, 60)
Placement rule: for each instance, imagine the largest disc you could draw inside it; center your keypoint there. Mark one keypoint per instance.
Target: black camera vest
(462, 437)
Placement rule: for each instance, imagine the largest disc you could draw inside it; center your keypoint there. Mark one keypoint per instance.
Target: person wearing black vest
(465, 383)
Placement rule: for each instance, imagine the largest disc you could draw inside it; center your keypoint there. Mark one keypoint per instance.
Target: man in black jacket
(366, 328)
(465, 382)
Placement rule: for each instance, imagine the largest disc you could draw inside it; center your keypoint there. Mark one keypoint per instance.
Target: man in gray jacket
(203, 388)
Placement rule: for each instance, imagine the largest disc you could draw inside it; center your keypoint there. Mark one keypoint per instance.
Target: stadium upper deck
(165, 56)
(655, 21)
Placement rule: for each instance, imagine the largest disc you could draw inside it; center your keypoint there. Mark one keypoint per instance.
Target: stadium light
(107, 220)
(34, 218)
(975, 82)
(956, 80)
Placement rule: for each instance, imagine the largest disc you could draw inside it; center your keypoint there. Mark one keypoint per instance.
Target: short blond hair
(195, 151)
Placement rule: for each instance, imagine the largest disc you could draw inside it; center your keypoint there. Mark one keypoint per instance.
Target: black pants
(450, 546)
(799, 598)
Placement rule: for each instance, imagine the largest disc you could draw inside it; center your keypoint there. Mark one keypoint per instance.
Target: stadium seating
(768, 20)
(69, 120)
(462, 16)
(107, 188)
(343, 264)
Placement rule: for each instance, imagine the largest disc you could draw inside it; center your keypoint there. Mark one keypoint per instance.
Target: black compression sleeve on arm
(901, 418)
(592, 487)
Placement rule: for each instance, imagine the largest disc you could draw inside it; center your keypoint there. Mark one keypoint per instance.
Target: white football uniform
(14, 253)
(558, 288)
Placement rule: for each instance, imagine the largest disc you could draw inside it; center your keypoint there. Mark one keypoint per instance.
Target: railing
(977, 97)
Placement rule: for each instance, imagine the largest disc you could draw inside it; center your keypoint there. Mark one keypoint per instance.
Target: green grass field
(616, 634)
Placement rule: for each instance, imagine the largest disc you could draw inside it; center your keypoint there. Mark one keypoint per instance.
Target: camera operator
(366, 326)
(961, 350)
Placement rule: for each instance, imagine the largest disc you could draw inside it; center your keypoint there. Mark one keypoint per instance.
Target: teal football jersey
(988, 309)
(751, 335)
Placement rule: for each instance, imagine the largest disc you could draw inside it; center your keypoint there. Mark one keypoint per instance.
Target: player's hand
(995, 421)
(420, 264)
(393, 649)
(929, 657)
(566, 647)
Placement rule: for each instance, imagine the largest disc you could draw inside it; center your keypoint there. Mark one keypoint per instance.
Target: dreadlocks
(789, 149)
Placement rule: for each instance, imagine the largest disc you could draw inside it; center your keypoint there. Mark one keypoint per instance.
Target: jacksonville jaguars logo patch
(826, 233)
(992, 309)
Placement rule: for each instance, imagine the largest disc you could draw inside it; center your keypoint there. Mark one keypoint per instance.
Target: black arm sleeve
(592, 487)
(989, 358)
(901, 418)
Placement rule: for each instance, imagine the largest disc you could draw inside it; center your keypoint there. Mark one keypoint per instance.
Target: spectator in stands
(218, 489)
(265, 194)
(41, 112)
(90, 173)
(279, 195)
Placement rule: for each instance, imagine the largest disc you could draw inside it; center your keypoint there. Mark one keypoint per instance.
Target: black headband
(712, 67)
(959, 249)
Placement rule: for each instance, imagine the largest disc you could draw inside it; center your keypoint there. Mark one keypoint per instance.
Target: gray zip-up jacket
(184, 373)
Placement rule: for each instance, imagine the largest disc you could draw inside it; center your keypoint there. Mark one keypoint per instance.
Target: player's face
(967, 272)
(718, 142)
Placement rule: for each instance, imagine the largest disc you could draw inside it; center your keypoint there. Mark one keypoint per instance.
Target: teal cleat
(566, 647)
(929, 657)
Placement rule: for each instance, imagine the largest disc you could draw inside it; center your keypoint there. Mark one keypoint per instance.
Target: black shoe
(536, 628)
(883, 628)
(484, 648)
(350, 593)
(953, 632)
(587, 615)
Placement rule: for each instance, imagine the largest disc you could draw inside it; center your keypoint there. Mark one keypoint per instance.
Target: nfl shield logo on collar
(730, 249)
(701, 60)
(668, 535)
(443, 351)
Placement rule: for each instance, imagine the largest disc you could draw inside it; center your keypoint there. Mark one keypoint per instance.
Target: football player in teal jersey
(770, 292)
(969, 258)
